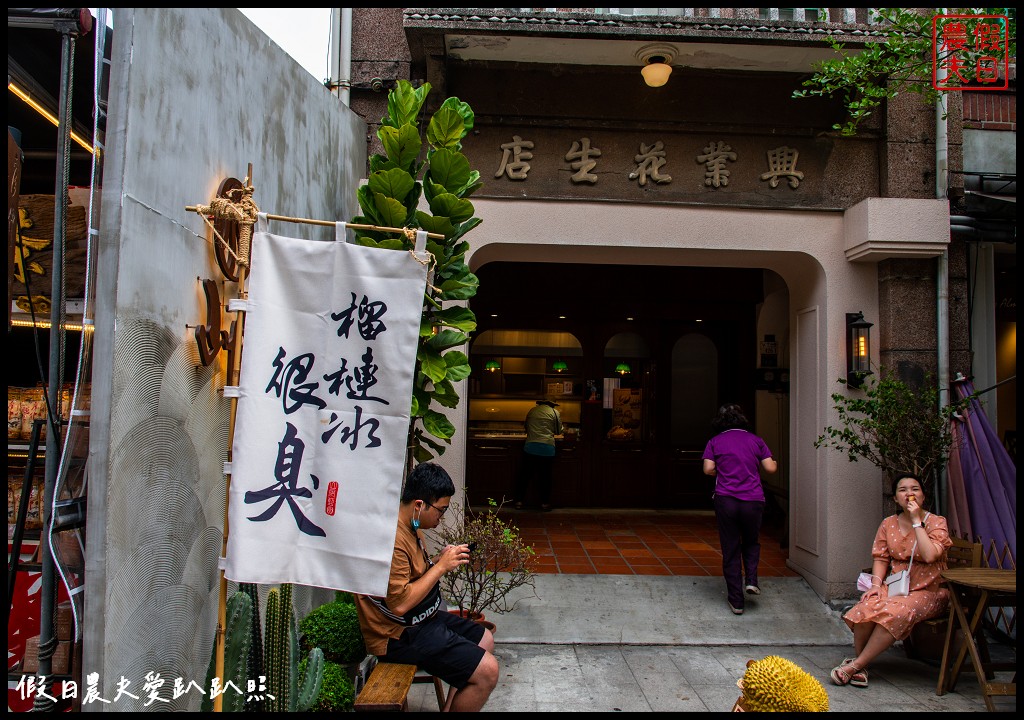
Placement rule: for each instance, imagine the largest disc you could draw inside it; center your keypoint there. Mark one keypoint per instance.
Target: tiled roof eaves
(549, 23)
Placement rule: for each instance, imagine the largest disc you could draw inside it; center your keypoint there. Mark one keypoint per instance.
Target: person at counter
(542, 423)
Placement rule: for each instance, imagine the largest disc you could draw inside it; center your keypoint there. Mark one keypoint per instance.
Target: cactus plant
(287, 689)
(237, 641)
(254, 702)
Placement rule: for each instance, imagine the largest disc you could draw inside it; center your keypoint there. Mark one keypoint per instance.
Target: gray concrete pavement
(613, 643)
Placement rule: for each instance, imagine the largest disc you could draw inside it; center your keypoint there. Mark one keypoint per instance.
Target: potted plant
(500, 561)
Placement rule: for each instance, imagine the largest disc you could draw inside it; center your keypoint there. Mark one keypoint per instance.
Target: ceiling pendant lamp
(622, 368)
(492, 366)
(559, 366)
(657, 62)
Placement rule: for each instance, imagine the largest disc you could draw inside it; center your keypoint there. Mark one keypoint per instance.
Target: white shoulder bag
(899, 583)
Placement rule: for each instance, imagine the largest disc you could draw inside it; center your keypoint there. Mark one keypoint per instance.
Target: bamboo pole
(329, 223)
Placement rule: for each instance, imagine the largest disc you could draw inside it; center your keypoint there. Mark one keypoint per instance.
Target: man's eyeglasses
(440, 510)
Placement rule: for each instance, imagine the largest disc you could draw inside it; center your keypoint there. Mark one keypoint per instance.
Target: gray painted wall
(196, 95)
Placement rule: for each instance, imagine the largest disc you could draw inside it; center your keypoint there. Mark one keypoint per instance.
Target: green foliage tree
(864, 79)
(391, 198)
(894, 427)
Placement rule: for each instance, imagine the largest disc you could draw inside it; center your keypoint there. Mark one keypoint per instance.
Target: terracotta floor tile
(626, 542)
(630, 553)
(651, 570)
(629, 545)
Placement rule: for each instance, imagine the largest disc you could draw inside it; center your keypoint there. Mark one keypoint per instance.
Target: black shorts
(445, 646)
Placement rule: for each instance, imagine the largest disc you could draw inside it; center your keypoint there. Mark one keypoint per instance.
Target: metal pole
(47, 638)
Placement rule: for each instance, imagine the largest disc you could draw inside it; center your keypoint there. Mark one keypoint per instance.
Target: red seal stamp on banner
(332, 497)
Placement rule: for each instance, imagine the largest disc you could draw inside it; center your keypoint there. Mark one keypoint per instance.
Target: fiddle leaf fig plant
(399, 181)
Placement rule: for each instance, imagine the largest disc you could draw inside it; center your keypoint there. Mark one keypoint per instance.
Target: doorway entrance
(654, 352)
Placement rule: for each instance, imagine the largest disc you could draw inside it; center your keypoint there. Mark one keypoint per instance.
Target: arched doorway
(688, 337)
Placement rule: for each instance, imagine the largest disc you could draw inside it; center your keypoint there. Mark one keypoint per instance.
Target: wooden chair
(927, 638)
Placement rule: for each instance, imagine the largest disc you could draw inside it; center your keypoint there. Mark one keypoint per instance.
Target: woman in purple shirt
(734, 457)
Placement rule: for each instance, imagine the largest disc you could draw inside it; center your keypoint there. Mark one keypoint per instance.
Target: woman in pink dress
(878, 620)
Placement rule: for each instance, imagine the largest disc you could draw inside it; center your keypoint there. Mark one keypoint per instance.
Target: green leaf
(450, 169)
(446, 128)
(380, 163)
(435, 224)
(432, 364)
(438, 425)
(447, 339)
(392, 213)
(394, 183)
(457, 317)
(430, 442)
(368, 204)
(452, 206)
(421, 454)
(464, 110)
(404, 103)
(444, 393)
(458, 365)
(402, 144)
(431, 189)
(460, 288)
(385, 244)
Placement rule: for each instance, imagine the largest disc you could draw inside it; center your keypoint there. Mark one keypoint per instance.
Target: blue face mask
(415, 524)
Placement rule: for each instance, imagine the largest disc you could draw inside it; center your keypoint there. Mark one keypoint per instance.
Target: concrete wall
(196, 95)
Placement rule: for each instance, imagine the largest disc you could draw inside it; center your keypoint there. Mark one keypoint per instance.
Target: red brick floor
(635, 542)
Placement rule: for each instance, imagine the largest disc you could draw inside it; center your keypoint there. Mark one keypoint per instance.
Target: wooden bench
(387, 688)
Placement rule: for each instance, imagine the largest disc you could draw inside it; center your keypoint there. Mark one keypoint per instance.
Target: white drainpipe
(942, 271)
(341, 53)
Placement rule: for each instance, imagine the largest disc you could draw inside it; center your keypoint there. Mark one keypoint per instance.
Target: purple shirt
(738, 455)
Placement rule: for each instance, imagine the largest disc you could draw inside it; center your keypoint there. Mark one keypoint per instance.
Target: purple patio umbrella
(982, 490)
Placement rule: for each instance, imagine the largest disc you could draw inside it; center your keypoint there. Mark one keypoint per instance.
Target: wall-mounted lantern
(858, 349)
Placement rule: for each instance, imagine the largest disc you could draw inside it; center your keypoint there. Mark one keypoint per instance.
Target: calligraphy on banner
(323, 411)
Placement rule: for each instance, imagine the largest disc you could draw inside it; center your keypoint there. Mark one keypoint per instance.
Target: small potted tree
(500, 561)
(894, 426)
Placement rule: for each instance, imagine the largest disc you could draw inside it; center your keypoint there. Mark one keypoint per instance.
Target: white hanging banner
(322, 418)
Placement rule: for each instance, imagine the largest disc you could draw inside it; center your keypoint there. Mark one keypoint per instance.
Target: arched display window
(626, 366)
(694, 390)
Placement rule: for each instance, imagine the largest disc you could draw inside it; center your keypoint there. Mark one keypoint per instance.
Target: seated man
(410, 625)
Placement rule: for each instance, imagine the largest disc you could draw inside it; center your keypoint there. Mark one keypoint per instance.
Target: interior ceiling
(34, 63)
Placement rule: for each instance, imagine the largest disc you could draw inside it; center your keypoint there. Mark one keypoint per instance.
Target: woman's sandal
(846, 673)
(859, 678)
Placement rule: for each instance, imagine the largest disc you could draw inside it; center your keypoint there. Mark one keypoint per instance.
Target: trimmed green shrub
(345, 598)
(334, 628)
(336, 691)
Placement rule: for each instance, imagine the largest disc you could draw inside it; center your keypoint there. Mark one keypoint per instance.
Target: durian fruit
(775, 684)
